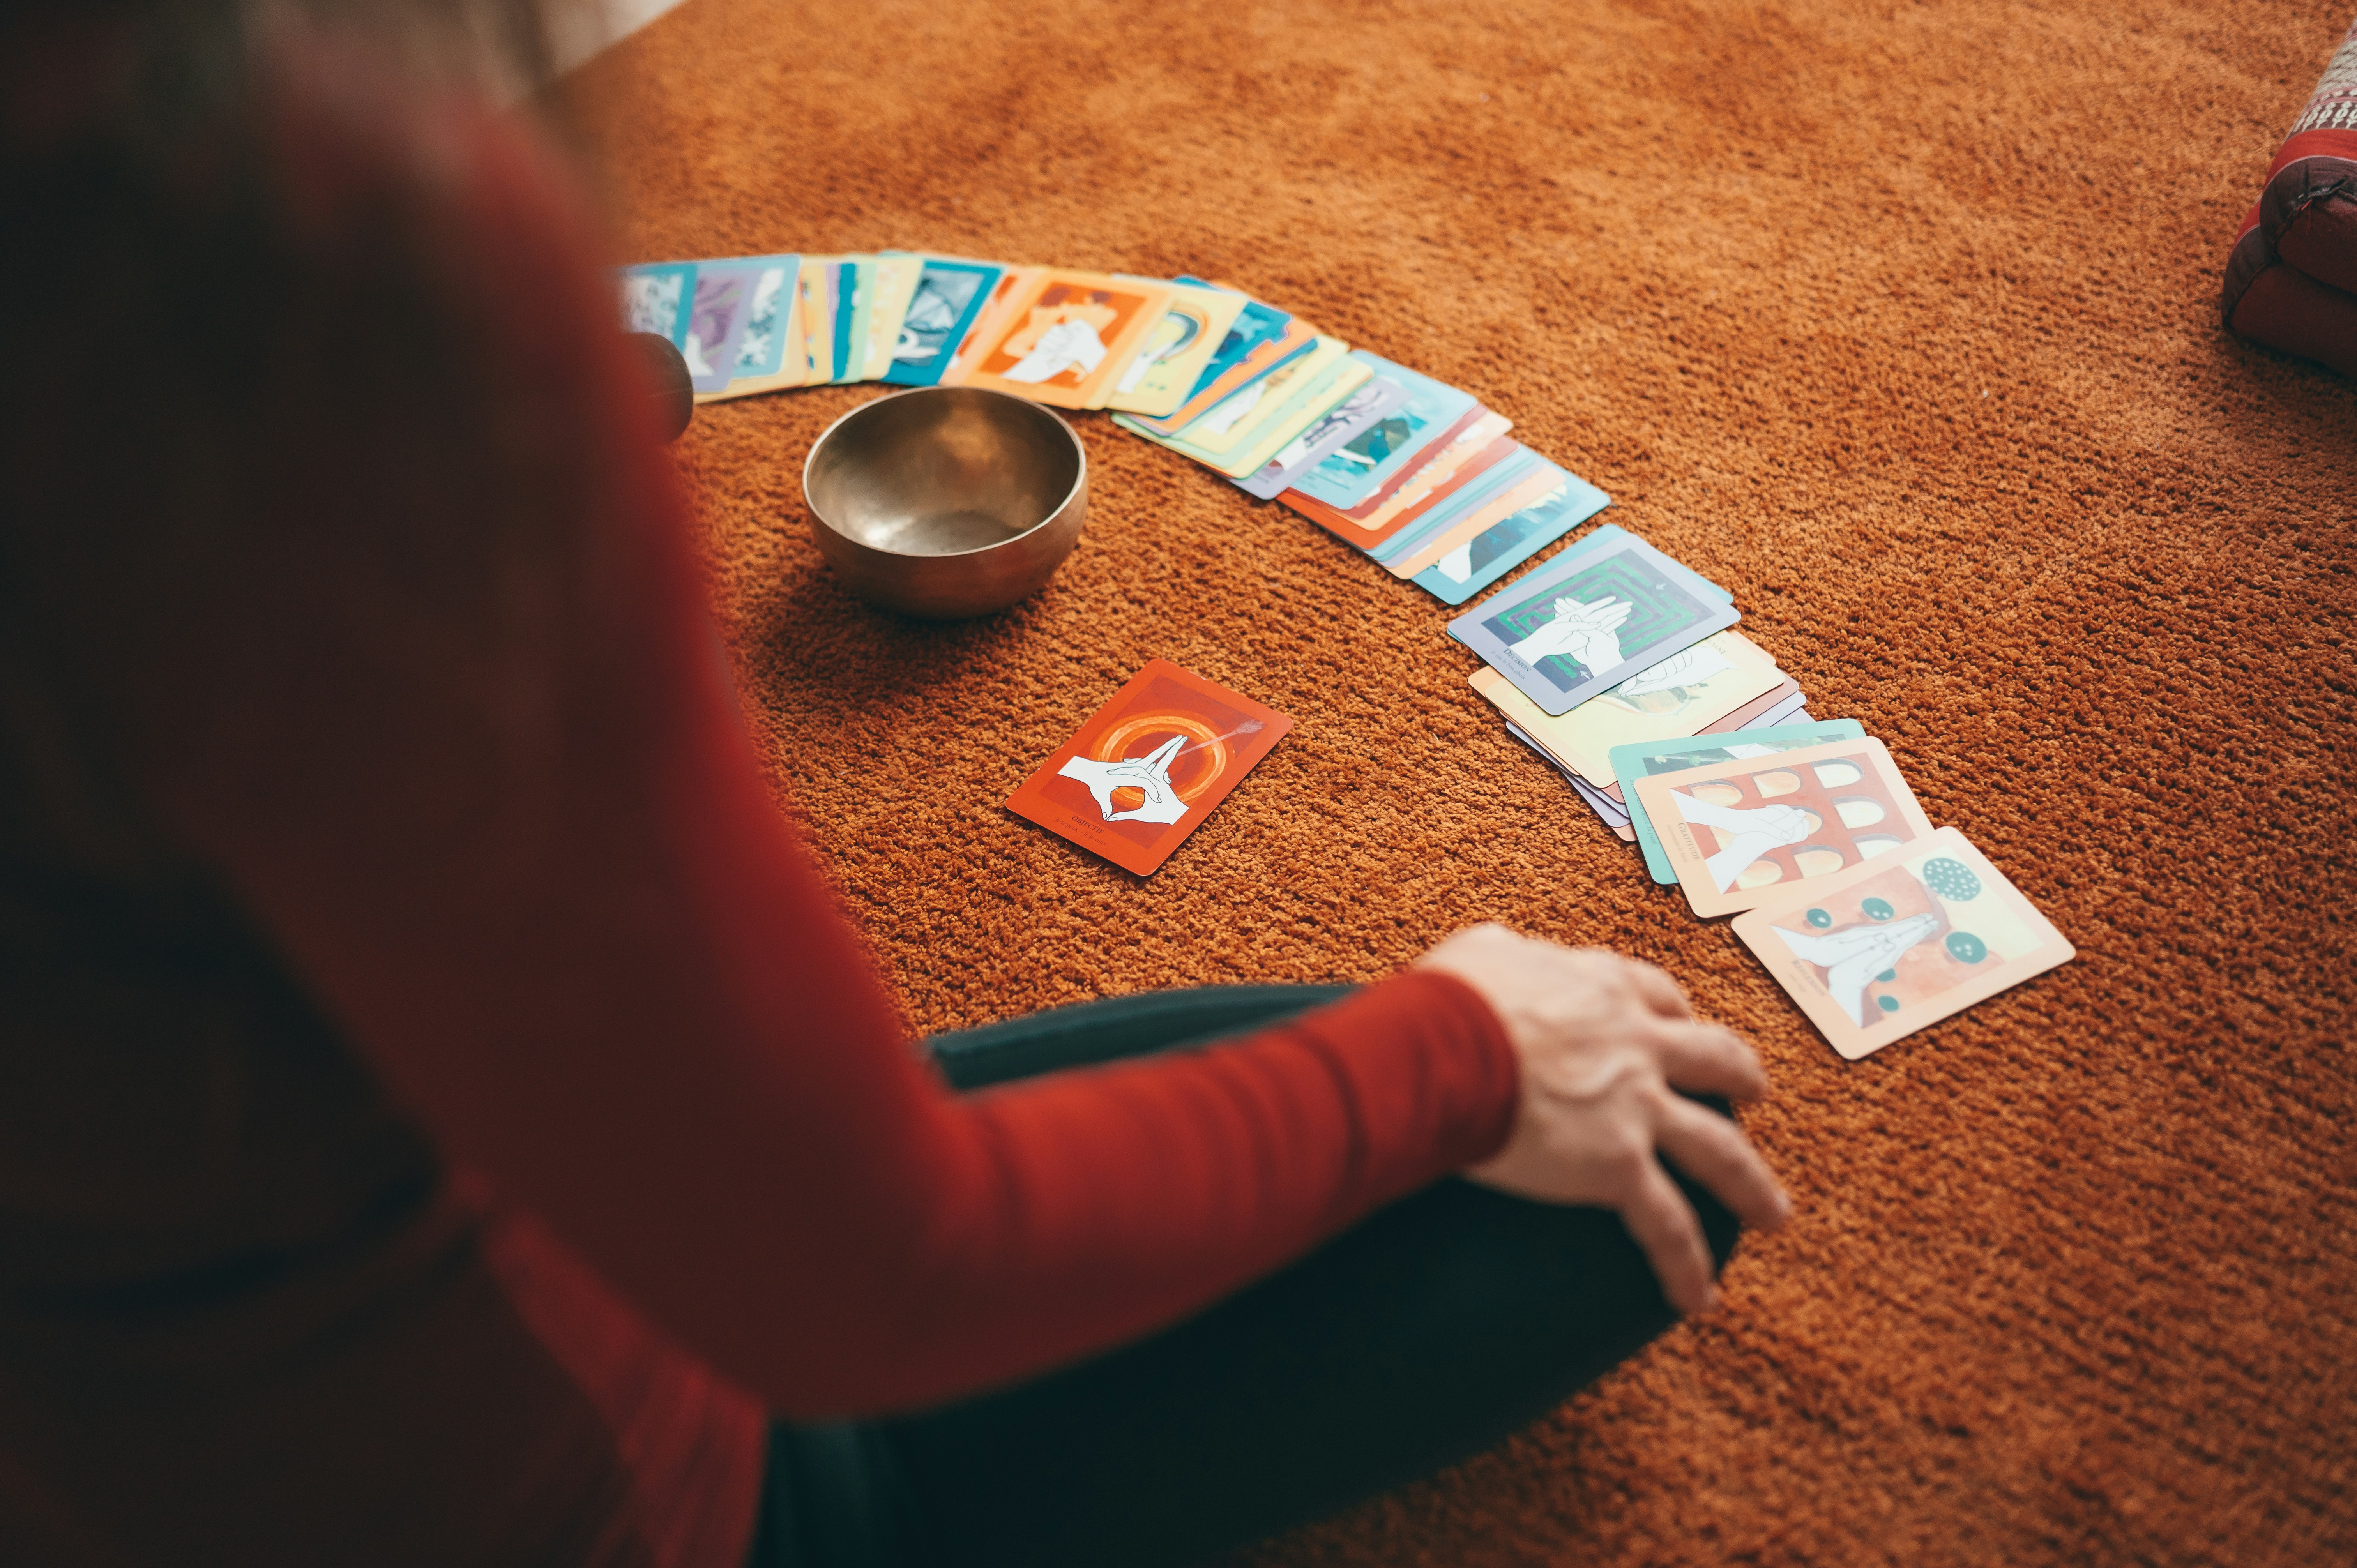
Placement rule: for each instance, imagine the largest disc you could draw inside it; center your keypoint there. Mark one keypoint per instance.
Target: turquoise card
(1605, 533)
(1510, 541)
(1476, 493)
(1700, 751)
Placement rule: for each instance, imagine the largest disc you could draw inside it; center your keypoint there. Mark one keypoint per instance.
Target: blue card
(1634, 761)
(845, 290)
(1605, 533)
(1352, 474)
(1477, 492)
(658, 297)
(1257, 324)
(949, 295)
(1505, 544)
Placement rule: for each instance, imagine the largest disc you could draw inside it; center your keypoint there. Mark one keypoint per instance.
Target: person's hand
(1602, 1041)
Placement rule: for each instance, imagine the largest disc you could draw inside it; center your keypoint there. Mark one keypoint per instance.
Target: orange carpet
(1898, 320)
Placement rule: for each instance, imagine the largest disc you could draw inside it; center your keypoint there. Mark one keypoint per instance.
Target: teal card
(1640, 758)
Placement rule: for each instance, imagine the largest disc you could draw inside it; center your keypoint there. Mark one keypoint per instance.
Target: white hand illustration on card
(1067, 345)
(1587, 633)
(1853, 955)
(1749, 832)
(1150, 773)
(1690, 668)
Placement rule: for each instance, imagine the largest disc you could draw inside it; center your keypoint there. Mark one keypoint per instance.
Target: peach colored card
(1739, 834)
(1879, 951)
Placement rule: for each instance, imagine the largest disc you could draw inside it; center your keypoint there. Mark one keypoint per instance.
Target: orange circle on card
(1110, 745)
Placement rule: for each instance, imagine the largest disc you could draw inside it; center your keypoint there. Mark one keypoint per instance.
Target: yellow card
(1236, 418)
(818, 318)
(1675, 698)
(1165, 370)
(1313, 402)
(895, 286)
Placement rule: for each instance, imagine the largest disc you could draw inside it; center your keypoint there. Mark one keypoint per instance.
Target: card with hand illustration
(1306, 405)
(1686, 753)
(1195, 325)
(657, 297)
(769, 352)
(1068, 335)
(1534, 478)
(1294, 340)
(1902, 942)
(948, 294)
(1484, 484)
(1738, 833)
(992, 324)
(1691, 692)
(1234, 425)
(1588, 622)
(1149, 766)
(1479, 559)
(1362, 466)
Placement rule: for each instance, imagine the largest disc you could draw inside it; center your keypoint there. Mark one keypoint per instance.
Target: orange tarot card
(1149, 766)
(1069, 336)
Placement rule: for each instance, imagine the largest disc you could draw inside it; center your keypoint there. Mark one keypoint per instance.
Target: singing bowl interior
(946, 500)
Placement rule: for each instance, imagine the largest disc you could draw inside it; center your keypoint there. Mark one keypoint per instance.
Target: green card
(1631, 762)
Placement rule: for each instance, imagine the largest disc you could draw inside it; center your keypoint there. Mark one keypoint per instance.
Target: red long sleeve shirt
(454, 856)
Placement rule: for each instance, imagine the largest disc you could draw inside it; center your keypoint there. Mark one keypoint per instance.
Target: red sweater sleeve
(451, 725)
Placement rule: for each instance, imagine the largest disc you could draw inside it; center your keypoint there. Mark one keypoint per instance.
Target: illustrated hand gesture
(1671, 671)
(1587, 633)
(1746, 834)
(1603, 1041)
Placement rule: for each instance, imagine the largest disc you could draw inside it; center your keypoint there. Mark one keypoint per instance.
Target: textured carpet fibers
(1898, 320)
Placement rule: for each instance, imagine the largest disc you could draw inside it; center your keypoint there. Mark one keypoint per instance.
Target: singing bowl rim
(1079, 486)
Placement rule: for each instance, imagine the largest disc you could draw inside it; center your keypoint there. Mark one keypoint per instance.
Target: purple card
(715, 323)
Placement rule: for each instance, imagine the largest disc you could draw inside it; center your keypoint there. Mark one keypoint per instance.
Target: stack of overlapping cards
(1621, 666)
(1414, 472)
(1617, 665)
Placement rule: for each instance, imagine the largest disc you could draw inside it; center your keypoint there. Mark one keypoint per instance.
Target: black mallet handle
(667, 382)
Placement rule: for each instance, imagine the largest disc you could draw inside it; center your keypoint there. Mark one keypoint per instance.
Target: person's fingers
(1664, 1226)
(1657, 991)
(1708, 1058)
(1713, 1151)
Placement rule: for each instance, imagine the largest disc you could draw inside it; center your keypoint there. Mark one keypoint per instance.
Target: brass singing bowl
(946, 502)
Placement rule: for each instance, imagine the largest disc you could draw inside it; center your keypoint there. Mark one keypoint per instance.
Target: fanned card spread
(1149, 766)
(1875, 952)
(1613, 662)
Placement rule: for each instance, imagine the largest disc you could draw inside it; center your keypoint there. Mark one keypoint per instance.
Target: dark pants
(1424, 1334)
